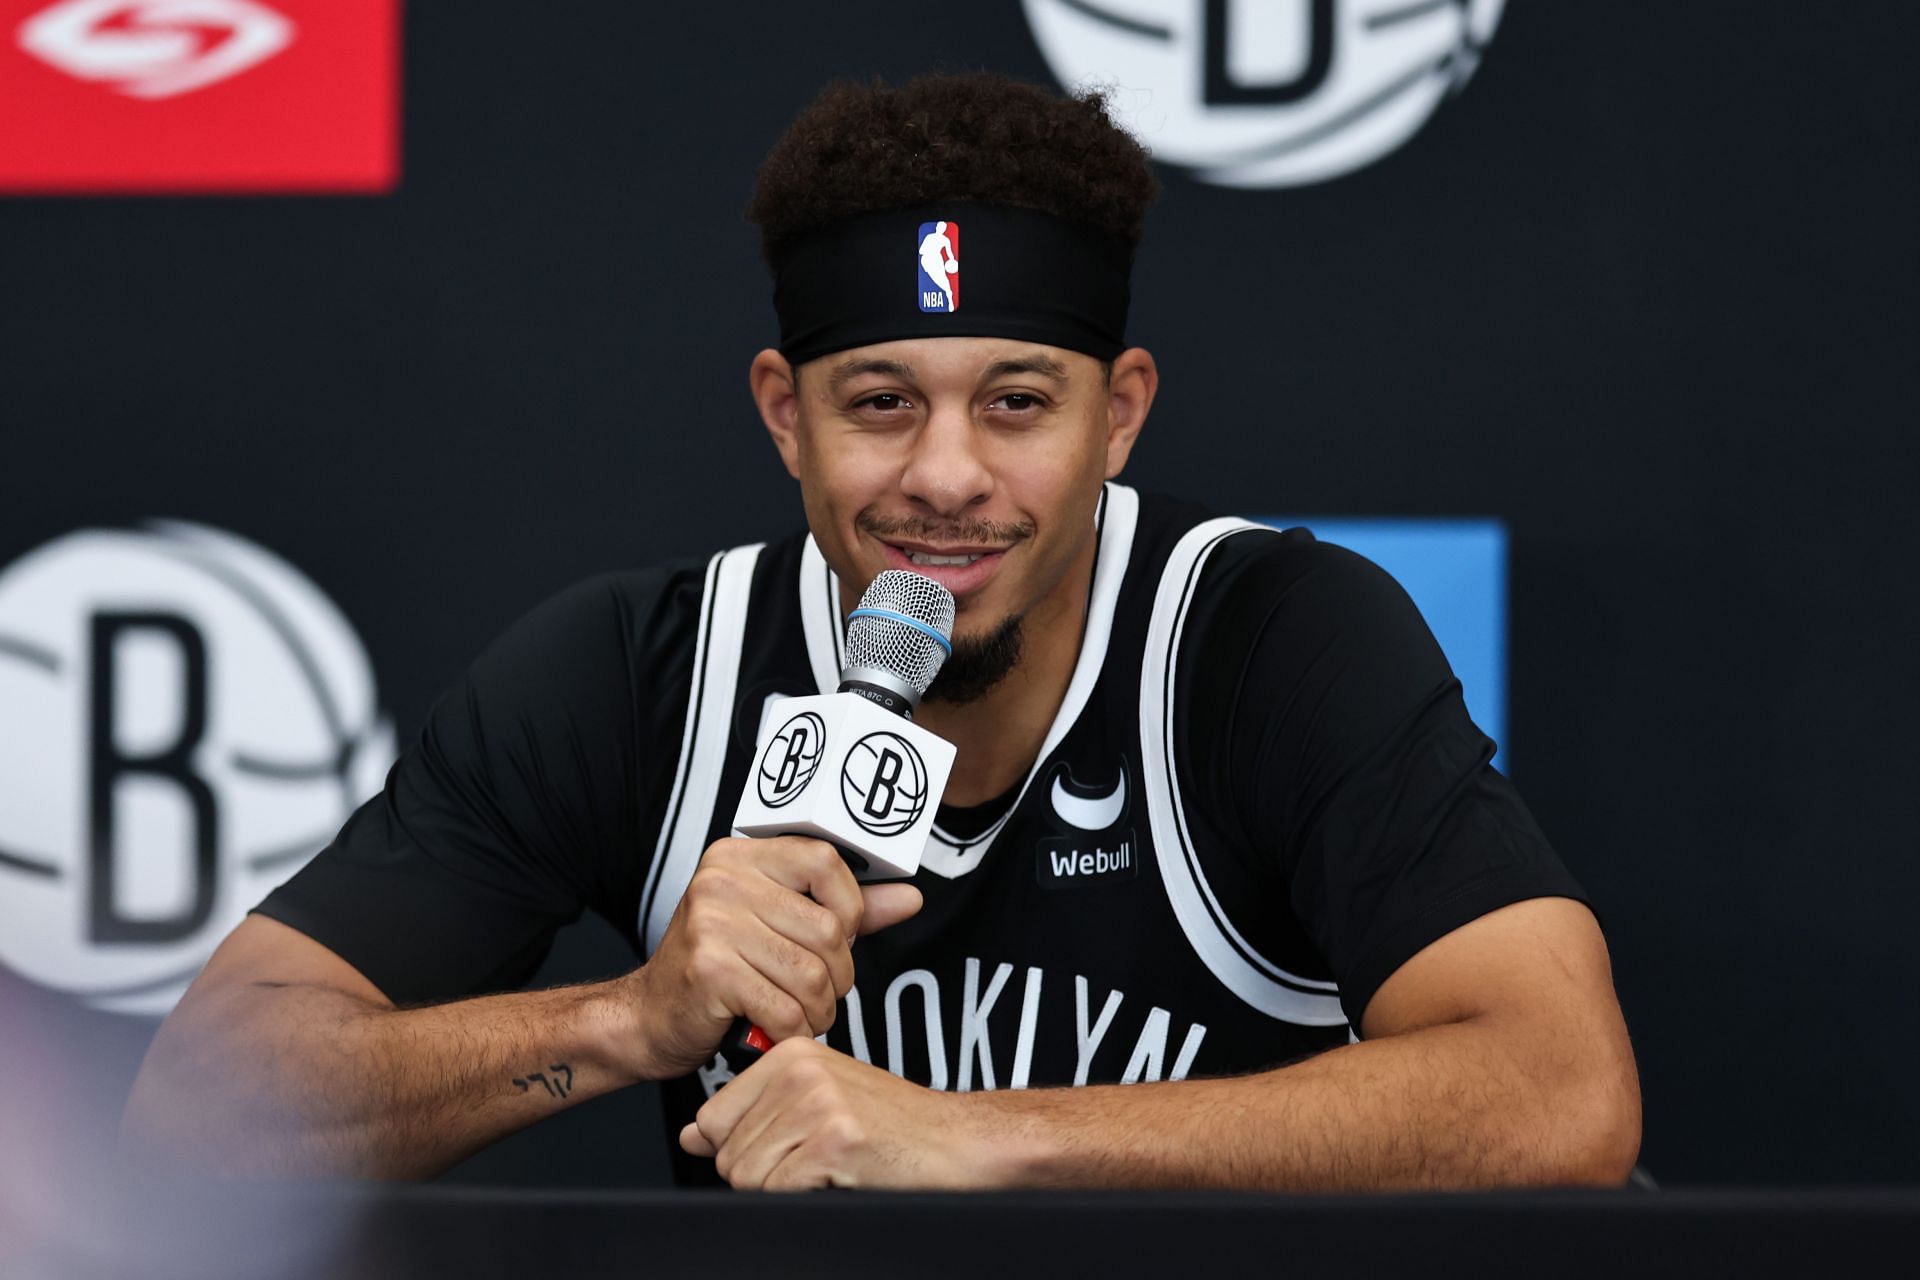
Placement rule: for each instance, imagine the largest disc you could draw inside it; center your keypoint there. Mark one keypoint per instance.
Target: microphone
(851, 767)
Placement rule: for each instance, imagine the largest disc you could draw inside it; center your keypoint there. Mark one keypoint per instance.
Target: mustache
(947, 532)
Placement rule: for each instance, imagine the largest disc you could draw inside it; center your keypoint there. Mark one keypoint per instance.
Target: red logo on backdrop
(107, 96)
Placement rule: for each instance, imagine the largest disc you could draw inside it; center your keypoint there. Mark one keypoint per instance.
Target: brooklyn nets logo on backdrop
(184, 720)
(1268, 93)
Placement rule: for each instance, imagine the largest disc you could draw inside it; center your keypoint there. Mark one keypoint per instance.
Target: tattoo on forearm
(557, 1085)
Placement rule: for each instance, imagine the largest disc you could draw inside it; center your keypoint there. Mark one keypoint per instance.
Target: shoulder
(1182, 538)
(1216, 579)
(1289, 570)
(610, 617)
(648, 613)
(1288, 642)
(609, 649)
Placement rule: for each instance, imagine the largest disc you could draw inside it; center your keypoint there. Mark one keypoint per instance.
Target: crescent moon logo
(1099, 813)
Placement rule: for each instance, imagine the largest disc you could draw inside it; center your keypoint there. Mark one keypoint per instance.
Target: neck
(998, 736)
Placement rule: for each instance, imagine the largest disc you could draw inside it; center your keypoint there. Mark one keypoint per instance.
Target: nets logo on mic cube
(846, 770)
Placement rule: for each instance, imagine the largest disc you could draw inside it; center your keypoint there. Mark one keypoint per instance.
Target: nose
(945, 471)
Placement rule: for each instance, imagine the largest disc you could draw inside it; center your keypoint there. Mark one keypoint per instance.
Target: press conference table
(372, 1232)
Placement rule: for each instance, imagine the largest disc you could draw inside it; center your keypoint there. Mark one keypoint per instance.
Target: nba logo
(939, 268)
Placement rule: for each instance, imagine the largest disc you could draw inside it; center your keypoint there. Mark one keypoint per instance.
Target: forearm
(308, 1081)
(1454, 1105)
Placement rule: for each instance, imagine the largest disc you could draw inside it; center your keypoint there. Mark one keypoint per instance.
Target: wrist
(612, 1025)
(1008, 1139)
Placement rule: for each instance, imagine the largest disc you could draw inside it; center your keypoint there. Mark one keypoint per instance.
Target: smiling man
(1220, 847)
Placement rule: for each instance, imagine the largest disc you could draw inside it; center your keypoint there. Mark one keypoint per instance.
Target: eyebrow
(847, 370)
(1046, 366)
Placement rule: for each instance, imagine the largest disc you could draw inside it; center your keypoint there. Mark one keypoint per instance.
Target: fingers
(761, 1139)
(764, 931)
(745, 892)
(754, 1125)
(888, 904)
(796, 1172)
(813, 928)
(802, 977)
(738, 978)
(715, 1120)
(813, 868)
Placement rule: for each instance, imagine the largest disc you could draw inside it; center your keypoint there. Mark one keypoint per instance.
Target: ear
(772, 381)
(1130, 394)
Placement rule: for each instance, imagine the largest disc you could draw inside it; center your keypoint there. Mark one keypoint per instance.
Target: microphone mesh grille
(885, 645)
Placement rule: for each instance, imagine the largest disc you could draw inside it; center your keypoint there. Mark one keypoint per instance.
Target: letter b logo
(170, 766)
(184, 721)
(884, 784)
(791, 755)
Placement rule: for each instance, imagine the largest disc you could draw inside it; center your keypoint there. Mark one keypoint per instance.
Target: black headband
(1022, 274)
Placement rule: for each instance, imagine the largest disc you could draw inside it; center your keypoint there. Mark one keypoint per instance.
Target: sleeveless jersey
(1199, 849)
(1048, 952)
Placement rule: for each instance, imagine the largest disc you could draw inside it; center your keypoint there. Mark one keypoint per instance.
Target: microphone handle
(743, 1044)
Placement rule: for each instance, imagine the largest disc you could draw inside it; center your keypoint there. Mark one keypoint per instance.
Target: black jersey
(1261, 795)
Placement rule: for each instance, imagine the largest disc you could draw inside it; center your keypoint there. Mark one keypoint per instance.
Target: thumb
(695, 1143)
(888, 904)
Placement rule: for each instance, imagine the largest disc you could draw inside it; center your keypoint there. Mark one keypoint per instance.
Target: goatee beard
(977, 665)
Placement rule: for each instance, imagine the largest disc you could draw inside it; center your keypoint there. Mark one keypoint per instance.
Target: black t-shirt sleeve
(515, 809)
(1351, 762)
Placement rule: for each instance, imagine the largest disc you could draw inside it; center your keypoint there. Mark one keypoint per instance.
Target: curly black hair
(980, 136)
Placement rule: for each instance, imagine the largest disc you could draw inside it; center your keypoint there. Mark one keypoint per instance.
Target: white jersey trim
(1242, 970)
(721, 632)
(820, 617)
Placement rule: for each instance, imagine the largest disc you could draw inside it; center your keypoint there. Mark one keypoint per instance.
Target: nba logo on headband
(939, 266)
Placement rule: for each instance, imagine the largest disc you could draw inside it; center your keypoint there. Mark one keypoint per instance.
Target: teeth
(920, 557)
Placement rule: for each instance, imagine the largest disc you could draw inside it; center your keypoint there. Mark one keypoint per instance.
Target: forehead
(931, 362)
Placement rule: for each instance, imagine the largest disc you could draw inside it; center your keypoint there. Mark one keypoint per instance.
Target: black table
(369, 1232)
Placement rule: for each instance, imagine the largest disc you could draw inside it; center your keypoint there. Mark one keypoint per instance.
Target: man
(1220, 843)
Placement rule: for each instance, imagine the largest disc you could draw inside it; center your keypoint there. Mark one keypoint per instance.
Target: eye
(1019, 401)
(885, 402)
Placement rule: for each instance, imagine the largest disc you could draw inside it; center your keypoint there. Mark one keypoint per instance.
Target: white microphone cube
(842, 768)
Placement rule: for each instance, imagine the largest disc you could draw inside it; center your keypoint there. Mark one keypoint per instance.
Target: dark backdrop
(1645, 291)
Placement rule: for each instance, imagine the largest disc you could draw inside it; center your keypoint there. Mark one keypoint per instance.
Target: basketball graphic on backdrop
(884, 784)
(188, 720)
(790, 759)
(1267, 93)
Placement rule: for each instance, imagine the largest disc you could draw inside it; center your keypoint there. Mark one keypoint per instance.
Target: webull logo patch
(1065, 862)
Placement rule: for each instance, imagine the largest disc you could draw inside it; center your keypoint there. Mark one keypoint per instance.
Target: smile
(960, 570)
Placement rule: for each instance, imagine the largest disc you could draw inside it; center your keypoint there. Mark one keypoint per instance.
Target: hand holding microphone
(844, 788)
(765, 928)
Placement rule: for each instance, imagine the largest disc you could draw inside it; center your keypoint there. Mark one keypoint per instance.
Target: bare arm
(1496, 1056)
(282, 1058)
